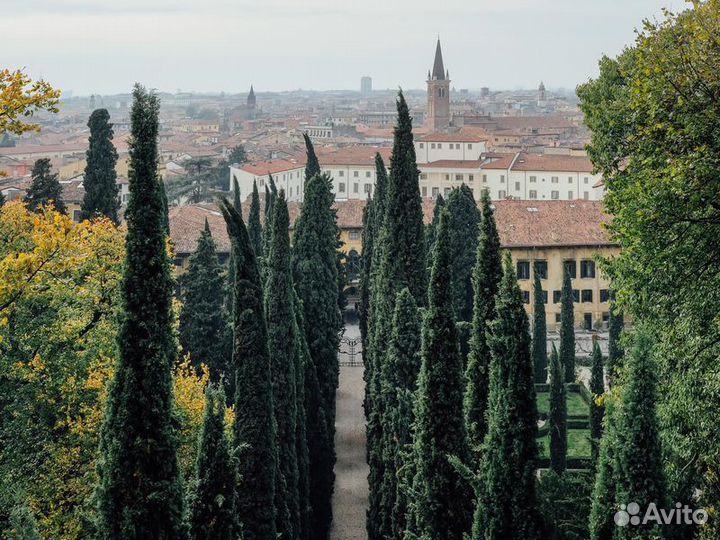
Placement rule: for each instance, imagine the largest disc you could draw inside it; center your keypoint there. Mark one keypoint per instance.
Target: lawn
(578, 444)
(576, 406)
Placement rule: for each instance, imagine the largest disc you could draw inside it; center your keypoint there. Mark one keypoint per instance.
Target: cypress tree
(539, 342)
(254, 423)
(101, 189)
(443, 508)
(271, 194)
(615, 352)
(597, 388)
(203, 319)
(302, 366)
(400, 264)
(254, 229)
(403, 365)
(282, 344)
(366, 270)
(45, 188)
(557, 418)
(507, 505)
(315, 276)
(212, 508)
(486, 281)
(604, 493)
(464, 226)
(231, 263)
(431, 230)
(640, 474)
(567, 329)
(140, 493)
(312, 165)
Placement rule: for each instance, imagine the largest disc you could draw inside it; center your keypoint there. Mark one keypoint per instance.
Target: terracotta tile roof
(550, 162)
(497, 161)
(353, 155)
(464, 135)
(261, 168)
(531, 122)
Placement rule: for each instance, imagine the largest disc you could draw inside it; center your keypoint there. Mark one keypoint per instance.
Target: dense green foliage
(597, 388)
(254, 229)
(314, 267)
(100, 179)
(539, 328)
(507, 505)
(312, 165)
(486, 281)
(140, 493)
(564, 502)
(280, 315)
(557, 417)
(431, 230)
(653, 112)
(203, 318)
(604, 493)
(463, 241)
(212, 503)
(442, 507)
(567, 328)
(615, 352)
(44, 188)
(254, 424)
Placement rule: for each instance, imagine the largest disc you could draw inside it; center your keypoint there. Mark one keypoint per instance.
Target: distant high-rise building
(438, 94)
(251, 104)
(541, 92)
(484, 91)
(366, 86)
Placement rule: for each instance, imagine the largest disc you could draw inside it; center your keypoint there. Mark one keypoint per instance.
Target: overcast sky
(104, 46)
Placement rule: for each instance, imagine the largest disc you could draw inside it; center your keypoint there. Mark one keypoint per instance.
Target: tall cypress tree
(640, 473)
(212, 506)
(100, 181)
(567, 328)
(312, 165)
(254, 229)
(140, 493)
(539, 342)
(366, 270)
(486, 281)
(45, 188)
(282, 344)
(604, 495)
(557, 418)
(254, 423)
(443, 507)
(315, 276)
(400, 264)
(615, 352)
(431, 230)
(203, 319)
(507, 505)
(271, 194)
(403, 365)
(464, 227)
(597, 388)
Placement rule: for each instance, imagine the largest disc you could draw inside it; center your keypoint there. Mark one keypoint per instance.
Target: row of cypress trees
(272, 475)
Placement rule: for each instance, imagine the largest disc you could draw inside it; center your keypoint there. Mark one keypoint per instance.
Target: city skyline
(86, 48)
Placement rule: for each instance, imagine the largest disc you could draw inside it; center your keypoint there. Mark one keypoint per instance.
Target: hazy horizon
(87, 48)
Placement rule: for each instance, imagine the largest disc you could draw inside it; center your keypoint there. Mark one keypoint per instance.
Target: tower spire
(438, 71)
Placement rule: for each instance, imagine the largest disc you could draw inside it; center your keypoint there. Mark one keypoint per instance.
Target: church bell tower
(438, 94)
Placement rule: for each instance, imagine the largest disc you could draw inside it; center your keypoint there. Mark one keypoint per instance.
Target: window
(76, 216)
(502, 178)
(471, 177)
(571, 268)
(517, 186)
(555, 195)
(541, 269)
(446, 191)
(587, 321)
(523, 269)
(356, 187)
(356, 174)
(570, 195)
(576, 295)
(533, 179)
(367, 174)
(432, 145)
(367, 188)
(354, 234)
(585, 180)
(570, 179)
(554, 179)
(558, 317)
(447, 177)
(341, 187)
(484, 178)
(469, 146)
(439, 145)
(423, 176)
(545, 297)
(341, 173)
(606, 316)
(604, 295)
(533, 194)
(126, 197)
(501, 194)
(587, 295)
(587, 269)
(435, 192)
(459, 177)
(526, 297)
(557, 296)
(424, 191)
(586, 195)
(290, 191)
(422, 145)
